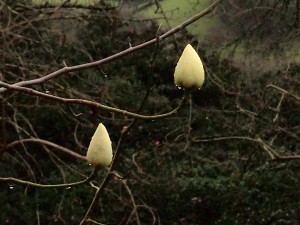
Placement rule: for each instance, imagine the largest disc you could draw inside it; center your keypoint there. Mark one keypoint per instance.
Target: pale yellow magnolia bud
(100, 151)
(189, 71)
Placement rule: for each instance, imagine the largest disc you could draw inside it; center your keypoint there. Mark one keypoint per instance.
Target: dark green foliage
(215, 173)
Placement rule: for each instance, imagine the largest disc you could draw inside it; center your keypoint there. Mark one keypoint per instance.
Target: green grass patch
(177, 12)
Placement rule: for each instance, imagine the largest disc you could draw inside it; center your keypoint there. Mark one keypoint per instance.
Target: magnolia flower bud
(100, 151)
(189, 71)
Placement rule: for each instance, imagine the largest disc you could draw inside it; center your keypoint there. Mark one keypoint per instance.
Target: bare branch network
(26, 134)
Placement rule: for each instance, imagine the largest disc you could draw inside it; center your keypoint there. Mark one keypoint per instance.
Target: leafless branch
(283, 91)
(266, 147)
(48, 143)
(90, 103)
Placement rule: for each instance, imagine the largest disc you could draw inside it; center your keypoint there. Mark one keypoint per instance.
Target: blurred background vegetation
(208, 164)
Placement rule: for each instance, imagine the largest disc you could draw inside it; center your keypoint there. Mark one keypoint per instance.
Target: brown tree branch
(48, 143)
(90, 103)
(97, 63)
(134, 206)
(271, 152)
(283, 91)
(65, 185)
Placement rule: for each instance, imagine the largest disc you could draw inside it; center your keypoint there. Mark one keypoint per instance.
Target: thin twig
(33, 184)
(134, 210)
(271, 152)
(44, 142)
(283, 91)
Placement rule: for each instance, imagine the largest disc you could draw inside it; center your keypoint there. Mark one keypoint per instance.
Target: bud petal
(100, 151)
(189, 71)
